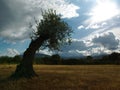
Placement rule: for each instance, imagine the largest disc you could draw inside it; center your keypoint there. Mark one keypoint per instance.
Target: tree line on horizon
(113, 58)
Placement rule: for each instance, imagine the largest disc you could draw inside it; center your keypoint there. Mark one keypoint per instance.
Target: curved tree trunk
(25, 68)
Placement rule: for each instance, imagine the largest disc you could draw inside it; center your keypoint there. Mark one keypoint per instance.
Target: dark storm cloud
(5, 14)
(13, 20)
(15, 15)
(109, 41)
(75, 45)
(73, 50)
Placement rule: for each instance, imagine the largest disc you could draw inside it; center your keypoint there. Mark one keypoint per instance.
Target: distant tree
(5, 59)
(89, 57)
(115, 57)
(56, 59)
(51, 32)
(16, 59)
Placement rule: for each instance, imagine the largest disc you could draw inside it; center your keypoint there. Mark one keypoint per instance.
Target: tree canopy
(53, 29)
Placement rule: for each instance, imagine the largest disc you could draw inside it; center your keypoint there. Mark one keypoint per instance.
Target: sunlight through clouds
(103, 10)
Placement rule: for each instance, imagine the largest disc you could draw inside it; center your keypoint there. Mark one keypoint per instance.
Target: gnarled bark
(25, 68)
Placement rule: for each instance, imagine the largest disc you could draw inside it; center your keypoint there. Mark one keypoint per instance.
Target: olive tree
(51, 32)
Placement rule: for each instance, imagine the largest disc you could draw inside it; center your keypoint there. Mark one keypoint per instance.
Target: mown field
(63, 77)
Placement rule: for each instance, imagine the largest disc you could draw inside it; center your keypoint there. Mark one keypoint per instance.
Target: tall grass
(63, 77)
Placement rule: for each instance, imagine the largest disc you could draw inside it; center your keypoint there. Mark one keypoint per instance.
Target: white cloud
(81, 27)
(93, 26)
(68, 10)
(104, 24)
(99, 50)
(97, 26)
(12, 35)
(46, 51)
(115, 31)
(10, 52)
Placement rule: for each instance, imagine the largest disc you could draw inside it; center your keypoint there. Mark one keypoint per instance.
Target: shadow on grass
(8, 79)
(4, 80)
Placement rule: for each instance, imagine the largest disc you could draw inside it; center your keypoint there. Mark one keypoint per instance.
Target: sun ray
(104, 10)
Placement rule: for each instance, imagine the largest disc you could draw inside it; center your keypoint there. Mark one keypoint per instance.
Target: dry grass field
(63, 77)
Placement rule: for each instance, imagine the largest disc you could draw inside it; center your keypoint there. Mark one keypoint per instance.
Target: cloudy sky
(96, 25)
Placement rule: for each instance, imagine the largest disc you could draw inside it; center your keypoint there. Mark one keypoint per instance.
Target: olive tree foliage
(53, 29)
